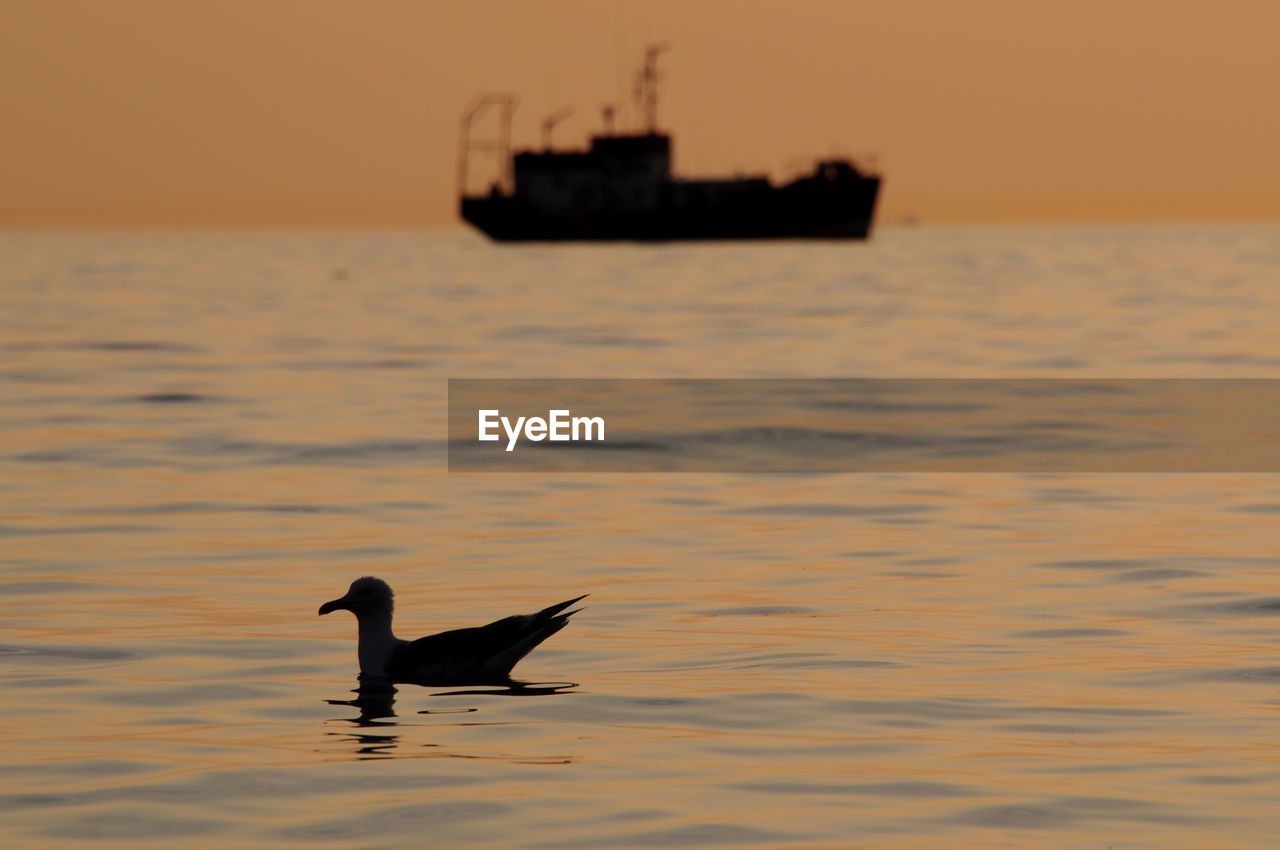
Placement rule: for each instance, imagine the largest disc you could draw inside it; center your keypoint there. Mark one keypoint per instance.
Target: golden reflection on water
(891, 660)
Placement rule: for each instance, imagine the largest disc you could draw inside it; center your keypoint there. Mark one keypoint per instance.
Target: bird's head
(365, 596)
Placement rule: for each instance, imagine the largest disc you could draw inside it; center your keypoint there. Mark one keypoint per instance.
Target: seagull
(483, 655)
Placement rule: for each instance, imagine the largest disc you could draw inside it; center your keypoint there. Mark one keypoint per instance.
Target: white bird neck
(376, 642)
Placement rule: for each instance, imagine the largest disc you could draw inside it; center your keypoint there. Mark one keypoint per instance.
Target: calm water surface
(203, 437)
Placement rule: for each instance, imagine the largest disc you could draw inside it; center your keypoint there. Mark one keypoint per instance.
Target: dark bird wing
(482, 655)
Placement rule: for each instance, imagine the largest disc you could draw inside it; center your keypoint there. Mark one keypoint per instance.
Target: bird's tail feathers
(553, 611)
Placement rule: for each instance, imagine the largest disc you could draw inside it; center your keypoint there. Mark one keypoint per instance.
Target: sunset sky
(338, 113)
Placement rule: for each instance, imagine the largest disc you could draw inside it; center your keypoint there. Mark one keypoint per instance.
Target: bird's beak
(335, 605)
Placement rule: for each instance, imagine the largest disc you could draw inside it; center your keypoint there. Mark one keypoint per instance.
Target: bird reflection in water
(375, 698)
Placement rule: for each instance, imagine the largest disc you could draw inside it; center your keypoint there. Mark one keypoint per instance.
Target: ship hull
(804, 209)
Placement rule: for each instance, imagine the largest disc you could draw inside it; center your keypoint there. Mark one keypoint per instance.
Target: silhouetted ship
(622, 188)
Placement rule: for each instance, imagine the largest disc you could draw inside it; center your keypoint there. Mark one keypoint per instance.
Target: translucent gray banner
(864, 425)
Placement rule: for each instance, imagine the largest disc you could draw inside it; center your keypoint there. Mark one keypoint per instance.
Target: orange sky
(337, 112)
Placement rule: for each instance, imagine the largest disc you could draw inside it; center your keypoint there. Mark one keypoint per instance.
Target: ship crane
(549, 123)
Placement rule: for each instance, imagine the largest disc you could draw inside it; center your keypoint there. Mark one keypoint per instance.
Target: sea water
(205, 436)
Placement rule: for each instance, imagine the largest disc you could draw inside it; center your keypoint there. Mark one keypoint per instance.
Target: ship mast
(645, 92)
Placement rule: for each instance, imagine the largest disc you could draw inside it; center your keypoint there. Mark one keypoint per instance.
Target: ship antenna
(646, 88)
